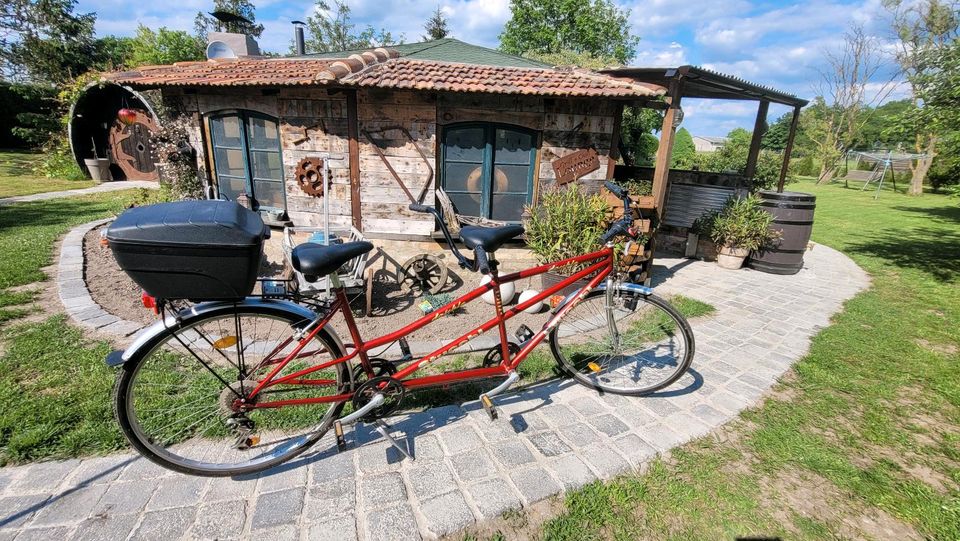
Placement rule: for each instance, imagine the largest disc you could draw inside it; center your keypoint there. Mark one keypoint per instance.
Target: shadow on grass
(944, 214)
(933, 251)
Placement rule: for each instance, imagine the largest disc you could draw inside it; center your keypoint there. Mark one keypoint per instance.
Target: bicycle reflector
(149, 302)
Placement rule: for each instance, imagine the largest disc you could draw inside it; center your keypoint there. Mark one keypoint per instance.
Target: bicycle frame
(600, 266)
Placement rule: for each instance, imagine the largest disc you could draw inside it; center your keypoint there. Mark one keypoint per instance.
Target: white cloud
(652, 18)
(660, 55)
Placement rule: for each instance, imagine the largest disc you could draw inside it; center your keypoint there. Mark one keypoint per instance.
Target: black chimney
(299, 44)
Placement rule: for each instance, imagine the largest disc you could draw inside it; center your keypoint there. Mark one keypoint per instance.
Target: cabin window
(246, 157)
(487, 169)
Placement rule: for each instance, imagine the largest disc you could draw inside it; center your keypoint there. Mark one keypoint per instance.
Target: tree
(597, 27)
(203, 23)
(44, 41)
(732, 158)
(924, 29)
(114, 52)
(684, 151)
(164, 47)
(331, 30)
(437, 26)
(851, 87)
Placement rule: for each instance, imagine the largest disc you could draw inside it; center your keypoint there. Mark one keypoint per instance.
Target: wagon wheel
(424, 272)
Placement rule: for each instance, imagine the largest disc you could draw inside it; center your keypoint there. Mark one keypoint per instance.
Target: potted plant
(701, 227)
(566, 223)
(740, 227)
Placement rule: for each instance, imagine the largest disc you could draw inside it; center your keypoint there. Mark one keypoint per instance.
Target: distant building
(708, 144)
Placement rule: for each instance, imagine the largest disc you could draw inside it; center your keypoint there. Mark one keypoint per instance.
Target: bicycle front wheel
(177, 398)
(623, 342)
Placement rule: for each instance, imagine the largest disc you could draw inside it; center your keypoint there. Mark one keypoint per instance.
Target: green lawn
(865, 434)
(17, 176)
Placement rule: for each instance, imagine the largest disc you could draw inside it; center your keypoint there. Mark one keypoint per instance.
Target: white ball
(507, 292)
(525, 296)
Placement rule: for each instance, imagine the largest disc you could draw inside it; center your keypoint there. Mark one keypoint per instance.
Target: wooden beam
(789, 148)
(353, 149)
(614, 142)
(661, 168)
(758, 126)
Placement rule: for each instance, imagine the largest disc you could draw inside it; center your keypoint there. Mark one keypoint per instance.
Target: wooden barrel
(792, 214)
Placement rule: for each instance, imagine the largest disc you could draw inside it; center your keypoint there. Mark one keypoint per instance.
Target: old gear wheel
(309, 175)
(393, 391)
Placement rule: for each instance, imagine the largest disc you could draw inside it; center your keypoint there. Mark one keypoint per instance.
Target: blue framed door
(488, 169)
(247, 157)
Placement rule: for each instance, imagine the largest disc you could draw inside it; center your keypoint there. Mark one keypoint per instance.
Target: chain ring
(392, 390)
(380, 367)
(494, 355)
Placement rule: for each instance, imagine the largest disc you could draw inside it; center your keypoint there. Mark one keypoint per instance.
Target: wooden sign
(575, 165)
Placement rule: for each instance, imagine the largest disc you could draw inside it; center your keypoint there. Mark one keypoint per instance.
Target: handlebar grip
(615, 190)
(481, 261)
(416, 207)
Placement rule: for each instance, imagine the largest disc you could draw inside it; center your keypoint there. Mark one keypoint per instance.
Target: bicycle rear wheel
(176, 398)
(623, 342)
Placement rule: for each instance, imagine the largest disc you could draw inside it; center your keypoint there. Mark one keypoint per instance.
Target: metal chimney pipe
(299, 43)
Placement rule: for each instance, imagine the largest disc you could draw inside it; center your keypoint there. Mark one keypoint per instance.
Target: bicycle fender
(602, 286)
(144, 337)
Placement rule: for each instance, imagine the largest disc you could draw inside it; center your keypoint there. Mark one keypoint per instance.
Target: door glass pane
(232, 187)
(508, 208)
(262, 134)
(463, 177)
(511, 178)
(266, 165)
(229, 161)
(269, 193)
(226, 131)
(464, 144)
(466, 204)
(512, 147)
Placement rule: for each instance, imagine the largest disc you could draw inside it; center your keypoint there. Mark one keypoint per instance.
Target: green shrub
(566, 223)
(743, 223)
(58, 160)
(803, 167)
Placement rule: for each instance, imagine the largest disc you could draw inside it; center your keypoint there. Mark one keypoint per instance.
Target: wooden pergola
(694, 82)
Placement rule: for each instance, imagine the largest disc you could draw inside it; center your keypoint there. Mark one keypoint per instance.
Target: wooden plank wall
(565, 125)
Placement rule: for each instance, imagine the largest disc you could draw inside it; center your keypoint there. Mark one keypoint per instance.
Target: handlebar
(623, 225)
(464, 262)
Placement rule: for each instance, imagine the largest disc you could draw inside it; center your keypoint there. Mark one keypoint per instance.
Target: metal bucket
(793, 214)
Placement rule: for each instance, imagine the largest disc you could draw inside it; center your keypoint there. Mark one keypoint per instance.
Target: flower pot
(99, 169)
(731, 257)
(550, 279)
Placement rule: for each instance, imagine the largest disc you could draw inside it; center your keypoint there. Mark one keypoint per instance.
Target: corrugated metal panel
(687, 202)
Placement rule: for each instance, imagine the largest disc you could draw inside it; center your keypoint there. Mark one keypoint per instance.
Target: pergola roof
(704, 83)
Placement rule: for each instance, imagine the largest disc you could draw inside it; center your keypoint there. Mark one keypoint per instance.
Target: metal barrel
(793, 215)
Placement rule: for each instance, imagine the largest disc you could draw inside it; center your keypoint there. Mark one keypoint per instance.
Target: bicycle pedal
(405, 350)
(341, 440)
(523, 333)
(489, 407)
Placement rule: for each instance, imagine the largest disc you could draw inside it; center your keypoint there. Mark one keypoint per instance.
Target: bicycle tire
(126, 413)
(587, 375)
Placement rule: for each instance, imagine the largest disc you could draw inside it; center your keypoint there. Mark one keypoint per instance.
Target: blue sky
(776, 43)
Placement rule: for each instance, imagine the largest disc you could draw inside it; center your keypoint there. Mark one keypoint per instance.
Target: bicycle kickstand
(382, 427)
(485, 398)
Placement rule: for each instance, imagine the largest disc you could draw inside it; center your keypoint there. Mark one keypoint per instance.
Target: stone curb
(100, 188)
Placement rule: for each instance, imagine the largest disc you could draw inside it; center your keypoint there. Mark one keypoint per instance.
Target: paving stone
(686, 425)
(604, 460)
(323, 504)
(608, 424)
(395, 523)
(512, 453)
(218, 520)
(69, 507)
(142, 468)
(729, 402)
(460, 438)
(534, 483)
(659, 407)
(426, 448)
(580, 434)
(335, 466)
(165, 524)
(17, 510)
(288, 475)
(103, 528)
(587, 406)
(446, 514)
(635, 449)
(495, 431)
(231, 488)
(99, 470)
(44, 534)
(44, 477)
(378, 458)
(430, 480)
(493, 497)
(549, 444)
(277, 508)
(572, 472)
(344, 489)
(528, 422)
(560, 415)
(380, 489)
(335, 529)
(283, 532)
(473, 465)
(126, 497)
(177, 491)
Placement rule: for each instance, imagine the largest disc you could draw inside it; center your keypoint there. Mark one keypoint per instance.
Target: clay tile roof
(455, 77)
(233, 72)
